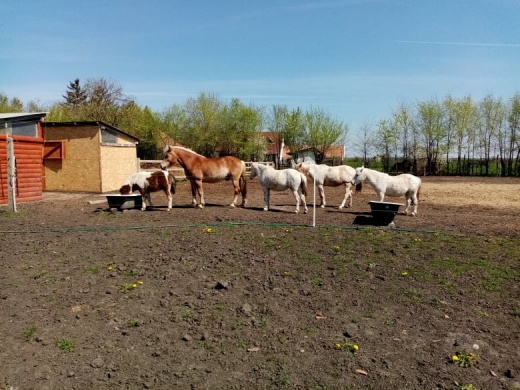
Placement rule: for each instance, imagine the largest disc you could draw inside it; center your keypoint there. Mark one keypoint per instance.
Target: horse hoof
(305, 212)
(322, 206)
(232, 205)
(266, 208)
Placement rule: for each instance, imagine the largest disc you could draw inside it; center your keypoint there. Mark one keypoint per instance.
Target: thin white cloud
(461, 43)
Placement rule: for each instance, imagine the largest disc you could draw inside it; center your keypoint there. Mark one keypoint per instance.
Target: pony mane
(182, 148)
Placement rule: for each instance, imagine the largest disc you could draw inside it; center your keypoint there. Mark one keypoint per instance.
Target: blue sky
(358, 60)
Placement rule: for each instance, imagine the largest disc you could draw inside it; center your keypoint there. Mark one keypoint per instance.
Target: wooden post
(11, 175)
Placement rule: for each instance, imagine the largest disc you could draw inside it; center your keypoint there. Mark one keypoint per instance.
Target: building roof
(273, 144)
(90, 123)
(10, 117)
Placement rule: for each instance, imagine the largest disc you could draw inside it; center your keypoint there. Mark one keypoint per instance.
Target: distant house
(335, 154)
(273, 147)
(87, 156)
(26, 131)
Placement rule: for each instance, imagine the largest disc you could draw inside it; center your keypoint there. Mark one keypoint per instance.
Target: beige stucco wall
(117, 163)
(89, 165)
(80, 170)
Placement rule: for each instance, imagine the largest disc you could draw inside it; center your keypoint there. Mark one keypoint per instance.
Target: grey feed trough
(383, 213)
(124, 202)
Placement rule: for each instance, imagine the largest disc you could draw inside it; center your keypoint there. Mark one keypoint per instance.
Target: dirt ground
(225, 298)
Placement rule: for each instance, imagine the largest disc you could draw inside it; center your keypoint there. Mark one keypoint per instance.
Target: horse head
(170, 158)
(301, 167)
(126, 189)
(359, 176)
(253, 172)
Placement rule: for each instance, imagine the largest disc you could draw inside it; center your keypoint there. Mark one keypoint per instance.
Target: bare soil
(223, 298)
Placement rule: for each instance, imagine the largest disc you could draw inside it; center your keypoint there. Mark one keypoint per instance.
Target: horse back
(220, 168)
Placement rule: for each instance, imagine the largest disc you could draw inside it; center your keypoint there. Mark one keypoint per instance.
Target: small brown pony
(199, 169)
(148, 182)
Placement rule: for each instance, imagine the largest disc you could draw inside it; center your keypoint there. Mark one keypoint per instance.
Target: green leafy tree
(492, 118)
(238, 124)
(323, 131)
(10, 105)
(430, 122)
(295, 132)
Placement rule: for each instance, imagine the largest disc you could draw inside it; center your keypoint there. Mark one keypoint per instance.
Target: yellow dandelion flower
(355, 346)
(134, 285)
(140, 282)
(455, 358)
(109, 268)
(404, 273)
(337, 345)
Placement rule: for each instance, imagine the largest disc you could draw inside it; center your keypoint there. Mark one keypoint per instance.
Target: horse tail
(303, 184)
(418, 192)
(173, 183)
(242, 182)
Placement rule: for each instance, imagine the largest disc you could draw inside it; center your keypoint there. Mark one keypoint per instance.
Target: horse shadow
(362, 218)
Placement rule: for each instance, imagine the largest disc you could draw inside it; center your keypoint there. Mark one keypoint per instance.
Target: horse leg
(266, 199)
(415, 202)
(168, 194)
(296, 194)
(149, 196)
(348, 194)
(200, 191)
(193, 193)
(321, 191)
(143, 200)
(236, 189)
(242, 181)
(304, 201)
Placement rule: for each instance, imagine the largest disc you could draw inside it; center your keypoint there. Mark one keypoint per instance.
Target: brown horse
(199, 169)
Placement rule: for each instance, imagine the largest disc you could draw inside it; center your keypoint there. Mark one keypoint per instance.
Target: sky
(357, 60)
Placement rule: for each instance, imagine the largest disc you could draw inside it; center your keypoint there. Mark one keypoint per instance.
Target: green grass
(94, 270)
(65, 345)
(29, 333)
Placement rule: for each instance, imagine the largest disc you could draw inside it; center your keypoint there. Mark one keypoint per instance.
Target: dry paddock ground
(247, 299)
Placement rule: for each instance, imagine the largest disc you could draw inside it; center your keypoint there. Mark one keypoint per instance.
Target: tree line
(455, 136)
(206, 124)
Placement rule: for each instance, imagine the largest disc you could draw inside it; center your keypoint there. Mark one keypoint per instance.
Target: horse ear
(167, 148)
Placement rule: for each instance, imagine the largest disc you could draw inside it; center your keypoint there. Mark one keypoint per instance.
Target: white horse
(384, 184)
(271, 179)
(330, 176)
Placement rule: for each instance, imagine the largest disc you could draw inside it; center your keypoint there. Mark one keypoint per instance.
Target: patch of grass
(316, 282)
(279, 376)
(516, 312)
(29, 333)
(464, 386)
(128, 287)
(94, 270)
(206, 344)
(65, 345)
(132, 324)
(132, 273)
(463, 358)
(187, 315)
(11, 214)
(40, 274)
(415, 296)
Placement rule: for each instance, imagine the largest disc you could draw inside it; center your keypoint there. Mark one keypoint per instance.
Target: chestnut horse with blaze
(148, 182)
(199, 169)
